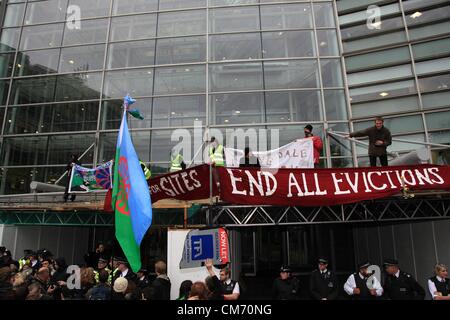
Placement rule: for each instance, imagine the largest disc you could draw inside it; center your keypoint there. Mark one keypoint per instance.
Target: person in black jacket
(124, 271)
(72, 162)
(400, 285)
(323, 283)
(213, 283)
(249, 160)
(142, 279)
(160, 288)
(285, 287)
(59, 278)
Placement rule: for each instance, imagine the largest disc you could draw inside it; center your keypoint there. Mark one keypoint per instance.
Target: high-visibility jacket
(97, 273)
(176, 163)
(146, 170)
(217, 156)
(23, 262)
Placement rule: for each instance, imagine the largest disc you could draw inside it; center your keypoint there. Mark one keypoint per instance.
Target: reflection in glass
(80, 86)
(235, 76)
(6, 64)
(24, 150)
(291, 74)
(37, 62)
(9, 39)
(184, 79)
(135, 82)
(293, 106)
(92, 8)
(328, 45)
(324, 14)
(235, 46)
(178, 111)
(181, 50)
(61, 147)
(41, 36)
(131, 54)
(181, 4)
(162, 144)
(91, 31)
(338, 146)
(286, 44)
(133, 27)
(434, 83)
(134, 6)
(234, 19)
(83, 58)
(14, 15)
(287, 16)
(331, 72)
(335, 106)
(45, 11)
(4, 87)
(33, 90)
(235, 108)
(112, 112)
(181, 23)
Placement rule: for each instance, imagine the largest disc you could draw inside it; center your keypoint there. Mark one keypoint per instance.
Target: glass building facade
(266, 64)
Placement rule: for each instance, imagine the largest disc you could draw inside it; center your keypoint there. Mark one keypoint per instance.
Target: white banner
(297, 154)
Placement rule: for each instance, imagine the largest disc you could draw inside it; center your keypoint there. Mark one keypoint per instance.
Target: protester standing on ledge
(379, 139)
(73, 161)
(317, 144)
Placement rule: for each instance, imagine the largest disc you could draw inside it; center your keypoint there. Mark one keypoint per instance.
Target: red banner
(326, 187)
(189, 184)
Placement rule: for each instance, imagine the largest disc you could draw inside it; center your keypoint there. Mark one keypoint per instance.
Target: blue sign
(202, 247)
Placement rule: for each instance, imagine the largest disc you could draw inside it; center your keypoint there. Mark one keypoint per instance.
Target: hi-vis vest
(96, 275)
(147, 171)
(217, 156)
(23, 262)
(176, 163)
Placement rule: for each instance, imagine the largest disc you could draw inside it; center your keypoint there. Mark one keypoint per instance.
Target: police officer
(323, 282)
(142, 278)
(177, 163)
(147, 172)
(362, 285)
(400, 285)
(439, 285)
(230, 288)
(102, 265)
(285, 287)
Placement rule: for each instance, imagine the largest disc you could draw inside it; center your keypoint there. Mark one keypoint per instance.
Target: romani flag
(130, 198)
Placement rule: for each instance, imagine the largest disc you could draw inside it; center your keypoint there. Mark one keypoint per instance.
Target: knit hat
(120, 285)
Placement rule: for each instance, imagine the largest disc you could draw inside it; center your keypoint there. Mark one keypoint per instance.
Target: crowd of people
(40, 276)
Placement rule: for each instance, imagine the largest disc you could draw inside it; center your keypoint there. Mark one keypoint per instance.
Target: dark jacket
(285, 289)
(323, 285)
(405, 287)
(249, 162)
(374, 134)
(160, 288)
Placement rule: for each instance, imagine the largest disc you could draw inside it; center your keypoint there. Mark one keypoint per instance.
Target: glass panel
(429, 30)
(184, 79)
(6, 64)
(377, 59)
(291, 133)
(9, 39)
(442, 137)
(4, 87)
(81, 86)
(235, 46)
(131, 54)
(324, 15)
(375, 28)
(421, 17)
(338, 146)
(33, 90)
(395, 125)
(376, 41)
(181, 50)
(37, 62)
(376, 108)
(438, 120)
(431, 66)
(107, 146)
(181, 23)
(178, 111)
(133, 27)
(286, 16)
(342, 163)
(291, 74)
(416, 4)
(45, 11)
(132, 6)
(43, 36)
(328, 45)
(14, 15)
(431, 48)
(179, 4)
(135, 82)
(344, 5)
(60, 148)
(435, 83)
(390, 73)
(231, 2)
(292, 106)
(435, 100)
(335, 106)
(331, 73)
(91, 31)
(52, 118)
(286, 44)
(236, 108)
(92, 8)
(362, 15)
(404, 147)
(84, 58)
(17, 180)
(112, 114)
(162, 145)
(235, 76)
(383, 91)
(24, 150)
(234, 19)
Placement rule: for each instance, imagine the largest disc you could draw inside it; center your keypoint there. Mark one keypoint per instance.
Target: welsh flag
(130, 198)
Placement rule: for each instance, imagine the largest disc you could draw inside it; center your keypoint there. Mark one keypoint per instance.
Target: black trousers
(383, 160)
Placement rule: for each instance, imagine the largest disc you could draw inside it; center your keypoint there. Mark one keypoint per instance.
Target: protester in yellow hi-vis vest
(177, 163)
(102, 265)
(146, 170)
(216, 153)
